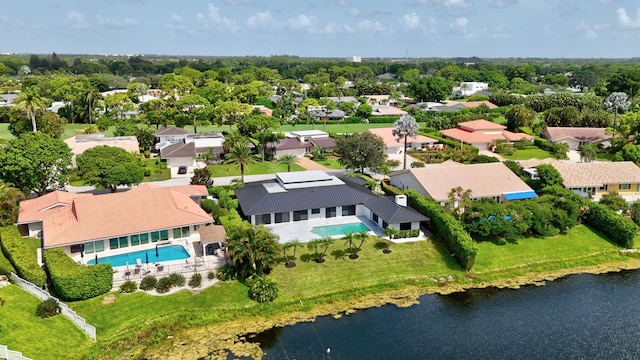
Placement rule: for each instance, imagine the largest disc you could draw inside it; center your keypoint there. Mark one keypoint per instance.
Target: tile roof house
(80, 143)
(386, 110)
(107, 224)
(482, 133)
(576, 136)
(600, 177)
(312, 195)
(491, 180)
(397, 147)
(473, 104)
(179, 154)
(301, 142)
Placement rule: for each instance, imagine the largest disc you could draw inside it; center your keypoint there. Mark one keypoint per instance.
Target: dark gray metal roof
(391, 212)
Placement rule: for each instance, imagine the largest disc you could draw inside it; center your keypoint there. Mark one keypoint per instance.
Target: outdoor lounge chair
(159, 268)
(139, 262)
(136, 271)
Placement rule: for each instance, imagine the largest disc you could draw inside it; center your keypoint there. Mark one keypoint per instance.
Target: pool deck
(301, 230)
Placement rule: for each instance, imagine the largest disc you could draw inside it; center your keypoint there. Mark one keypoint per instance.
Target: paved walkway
(309, 164)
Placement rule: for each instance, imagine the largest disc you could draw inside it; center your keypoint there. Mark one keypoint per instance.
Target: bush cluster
(195, 281)
(74, 282)
(226, 272)
(401, 234)
(389, 189)
(128, 287)
(164, 284)
(447, 227)
(148, 283)
(22, 258)
(616, 227)
(48, 308)
(262, 288)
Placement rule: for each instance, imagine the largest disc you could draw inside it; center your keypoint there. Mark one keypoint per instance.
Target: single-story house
(317, 138)
(179, 154)
(114, 223)
(80, 143)
(397, 147)
(323, 114)
(491, 180)
(204, 142)
(599, 177)
(472, 104)
(576, 136)
(302, 196)
(7, 99)
(340, 99)
(482, 133)
(386, 110)
(171, 135)
(291, 146)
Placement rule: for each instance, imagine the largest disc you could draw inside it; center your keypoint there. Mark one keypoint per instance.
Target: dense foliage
(262, 288)
(74, 282)
(48, 308)
(360, 151)
(23, 259)
(108, 167)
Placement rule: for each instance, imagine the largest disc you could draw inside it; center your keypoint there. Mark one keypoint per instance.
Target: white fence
(64, 309)
(5, 353)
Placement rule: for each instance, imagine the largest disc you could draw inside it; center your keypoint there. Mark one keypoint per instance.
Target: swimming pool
(165, 253)
(333, 230)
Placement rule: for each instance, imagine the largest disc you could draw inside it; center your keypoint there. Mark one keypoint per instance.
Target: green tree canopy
(253, 250)
(432, 88)
(35, 162)
(107, 167)
(361, 150)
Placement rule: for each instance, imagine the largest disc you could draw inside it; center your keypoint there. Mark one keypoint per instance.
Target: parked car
(182, 170)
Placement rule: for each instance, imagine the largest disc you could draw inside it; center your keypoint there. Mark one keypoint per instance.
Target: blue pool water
(333, 230)
(165, 253)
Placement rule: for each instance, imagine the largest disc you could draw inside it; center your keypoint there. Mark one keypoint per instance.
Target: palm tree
(287, 160)
(362, 236)
(615, 102)
(405, 126)
(588, 152)
(252, 250)
(90, 98)
(294, 244)
(325, 242)
(10, 198)
(231, 139)
(241, 156)
(313, 245)
(30, 101)
(349, 237)
(287, 262)
(458, 201)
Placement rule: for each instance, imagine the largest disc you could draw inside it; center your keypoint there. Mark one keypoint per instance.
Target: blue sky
(324, 28)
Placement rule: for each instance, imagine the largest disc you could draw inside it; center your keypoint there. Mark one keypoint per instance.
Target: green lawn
(529, 153)
(331, 163)
(37, 338)
(266, 167)
(580, 242)
(331, 127)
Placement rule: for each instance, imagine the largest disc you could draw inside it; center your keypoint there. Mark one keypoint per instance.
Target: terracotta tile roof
(212, 234)
(386, 110)
(531, 163)
(484, 180)
(578, 133)
(598, 173)
(104, 216)
(178, 150)
(473, 104)
(171, 131)
(483, 131)
(480, 124)
(190, 190)
(390, 140)
(35, 209)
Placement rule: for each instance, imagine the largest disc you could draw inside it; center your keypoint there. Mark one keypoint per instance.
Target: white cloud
(238, 2)
(76, 20)
(411, 21)
(503, 3)
(591, 34)
(116, 23)
(353, 12)
(370, 26)
(626, 21)
(302, 21)
(456, 3)
(260, 20)
(213, 19)
(460, 23)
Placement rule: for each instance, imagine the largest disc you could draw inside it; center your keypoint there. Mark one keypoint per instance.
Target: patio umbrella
(146, 258)
(157, 255)
(81, 257)
(96, 259)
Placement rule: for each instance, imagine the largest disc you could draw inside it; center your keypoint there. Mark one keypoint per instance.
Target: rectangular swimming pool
(341, 229)
(165, 253)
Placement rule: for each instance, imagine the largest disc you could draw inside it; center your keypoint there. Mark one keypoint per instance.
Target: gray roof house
(7, 99)
(317, 198)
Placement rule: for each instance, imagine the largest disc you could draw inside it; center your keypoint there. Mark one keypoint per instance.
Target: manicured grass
(331, 163)
(580, 241)
(4, 131)
(529, 153)
(37, 338)
(266, 167)
(331, 127)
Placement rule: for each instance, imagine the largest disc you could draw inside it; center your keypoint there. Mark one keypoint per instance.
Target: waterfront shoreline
(214, 341)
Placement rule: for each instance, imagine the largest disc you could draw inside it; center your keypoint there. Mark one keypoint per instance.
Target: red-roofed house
(482, 133)
(473, 104)
(397, 147)
(115, 223)
(576, 136)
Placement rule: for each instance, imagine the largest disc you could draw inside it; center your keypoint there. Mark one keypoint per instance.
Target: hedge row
(616, 227)
(74, 282)
(390, 189)
(21, 256)
(447, 227)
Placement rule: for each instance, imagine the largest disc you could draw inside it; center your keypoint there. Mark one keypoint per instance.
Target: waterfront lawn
(581, 246)
(22, 330)
(267, 167)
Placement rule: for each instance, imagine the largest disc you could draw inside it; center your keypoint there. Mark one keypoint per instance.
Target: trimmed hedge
(390, 189)
(23, 259)
(74, 282)
(447, 227)
(616, 227)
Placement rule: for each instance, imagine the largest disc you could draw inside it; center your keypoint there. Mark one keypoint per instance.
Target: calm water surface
(577, 317)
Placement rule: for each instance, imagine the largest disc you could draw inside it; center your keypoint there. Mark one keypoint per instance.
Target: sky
(324, 28)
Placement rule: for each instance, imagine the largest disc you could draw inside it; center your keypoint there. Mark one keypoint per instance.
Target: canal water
(576, 317)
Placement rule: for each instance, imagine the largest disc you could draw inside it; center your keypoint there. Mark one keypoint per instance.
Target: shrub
(164, 285)
(195, 281)
(616, 227)
(207, 205)
(389, 189)
(147, 172)
(23, 259)
(2, 301)
(148, 283)
(176, 279)
(74, 282)
(128, 287)
(262, 289)
(211, 275)
(48, 308)
(226, 273)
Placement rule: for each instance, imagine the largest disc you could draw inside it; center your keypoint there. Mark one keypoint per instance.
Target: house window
(604, 187)
(88, 247)
(315, 211)
(405, 226)
(330, 212)
(300, 215)
(263, 219)
(625, 186)
(144, 238)
(124, 241)
(113, 243)
(93, 246)
(282, 217)
(348, 210)
(135, 240)
(164, 235)
(182, 232)
(375, 218)
(155, 236)
(384, 225)
(76, 248)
